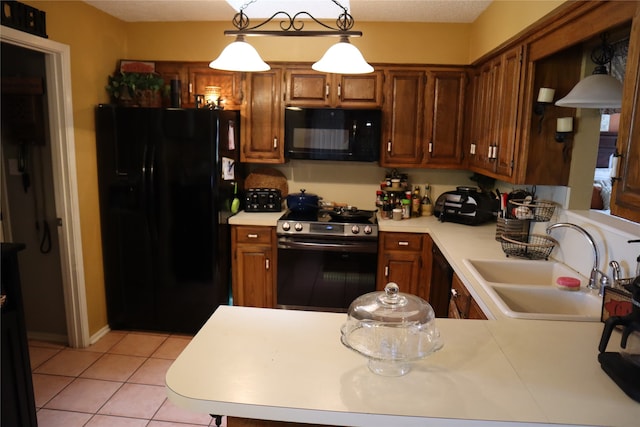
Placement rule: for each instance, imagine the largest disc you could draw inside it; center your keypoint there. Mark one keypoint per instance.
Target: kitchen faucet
(604, 280)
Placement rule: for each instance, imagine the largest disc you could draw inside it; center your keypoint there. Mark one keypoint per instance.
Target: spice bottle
(415, 202)
(427, 206)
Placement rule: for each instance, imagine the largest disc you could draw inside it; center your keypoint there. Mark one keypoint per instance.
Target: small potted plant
(136, 89)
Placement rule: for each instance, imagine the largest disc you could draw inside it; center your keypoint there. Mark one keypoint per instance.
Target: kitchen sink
(526, 289)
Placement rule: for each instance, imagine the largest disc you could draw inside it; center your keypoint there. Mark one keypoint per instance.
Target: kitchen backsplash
(356, 184)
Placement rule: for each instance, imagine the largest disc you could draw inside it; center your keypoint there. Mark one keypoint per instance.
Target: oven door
(324, 274)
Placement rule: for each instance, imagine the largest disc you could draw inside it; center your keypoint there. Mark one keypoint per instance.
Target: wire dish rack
(530, 246)
(534, 210)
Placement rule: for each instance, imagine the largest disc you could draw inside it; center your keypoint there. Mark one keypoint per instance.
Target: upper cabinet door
(263, 119)
(230, 84)
(509, 94)
(445, 117)
(625, 197)
(403, 118)
(308, 88)
(359, 90)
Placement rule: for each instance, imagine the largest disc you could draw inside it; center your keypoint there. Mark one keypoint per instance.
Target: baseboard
(46, 337)
(102, 332)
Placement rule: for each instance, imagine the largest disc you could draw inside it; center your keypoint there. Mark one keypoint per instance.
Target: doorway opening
(63, 196)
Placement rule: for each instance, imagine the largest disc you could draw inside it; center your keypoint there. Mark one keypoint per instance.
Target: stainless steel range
(326, 259)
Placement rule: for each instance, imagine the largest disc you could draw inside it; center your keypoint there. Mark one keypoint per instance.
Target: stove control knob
(286, 226)
(355, 229)
(368, 229)
(298, 226)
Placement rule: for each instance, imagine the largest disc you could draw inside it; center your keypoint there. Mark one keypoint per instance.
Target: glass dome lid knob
(391, 296)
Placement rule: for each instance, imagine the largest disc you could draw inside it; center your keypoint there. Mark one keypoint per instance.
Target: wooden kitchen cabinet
(495, 97)
(423, 117)
(462, 305)
(230, 83)
(405, 258)
(444, 119)
(308, 88)
(625, 197)
(263, 118)
(195, 76)
(253, 266)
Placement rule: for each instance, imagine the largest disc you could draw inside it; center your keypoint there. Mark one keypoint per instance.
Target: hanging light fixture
(341, 58)
(239, 56)
(599, 90)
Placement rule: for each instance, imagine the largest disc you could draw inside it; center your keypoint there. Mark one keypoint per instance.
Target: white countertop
(290, 366)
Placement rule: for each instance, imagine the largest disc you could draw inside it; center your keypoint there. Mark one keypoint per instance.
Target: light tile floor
(117, 382)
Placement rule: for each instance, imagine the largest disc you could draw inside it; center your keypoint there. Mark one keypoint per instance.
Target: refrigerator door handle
(153, 217)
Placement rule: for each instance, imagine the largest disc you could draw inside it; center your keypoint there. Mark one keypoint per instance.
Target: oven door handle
(368, 247)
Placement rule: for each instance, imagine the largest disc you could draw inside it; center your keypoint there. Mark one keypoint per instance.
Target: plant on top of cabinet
(136, 89)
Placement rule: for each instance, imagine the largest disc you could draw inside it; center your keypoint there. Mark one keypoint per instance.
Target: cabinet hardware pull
(386, 271)
(340, 91)
(275, 142)
(326, 90)
(472, 149)
(266, 263)
(190, 88)
(252, 236)
(490, 151)
(495, 151)
(430, 147)
(403, 243)
(454, 293)
(388, 146)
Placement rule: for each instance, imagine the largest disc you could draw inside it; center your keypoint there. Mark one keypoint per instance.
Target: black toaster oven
(467, 206)
(263, 200)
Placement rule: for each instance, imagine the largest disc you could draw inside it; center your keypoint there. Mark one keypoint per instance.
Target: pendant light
(343, 58)
(239, 56)
(599, 90)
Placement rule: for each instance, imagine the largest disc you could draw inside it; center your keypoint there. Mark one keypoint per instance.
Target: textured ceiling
(459, 11)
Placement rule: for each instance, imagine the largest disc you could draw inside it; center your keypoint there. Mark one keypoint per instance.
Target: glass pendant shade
(239, 56)
(595, 91)
(343, 58)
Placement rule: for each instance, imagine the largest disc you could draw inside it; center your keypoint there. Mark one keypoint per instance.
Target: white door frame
(60, 108)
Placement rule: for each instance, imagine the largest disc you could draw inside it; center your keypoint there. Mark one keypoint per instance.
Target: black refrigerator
(166, 179)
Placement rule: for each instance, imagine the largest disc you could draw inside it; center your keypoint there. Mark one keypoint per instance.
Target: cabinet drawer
(249, 234)
(403, 242)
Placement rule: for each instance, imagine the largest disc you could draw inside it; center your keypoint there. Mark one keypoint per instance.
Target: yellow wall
(98, 41)
(381, 42)
(504, 19)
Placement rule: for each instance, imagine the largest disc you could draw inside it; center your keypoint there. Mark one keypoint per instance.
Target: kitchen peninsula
(290, 365)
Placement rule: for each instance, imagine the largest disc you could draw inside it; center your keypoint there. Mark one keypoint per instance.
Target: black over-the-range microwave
(332, 134)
